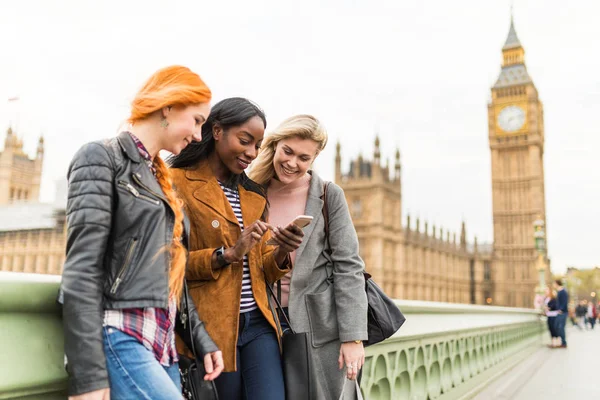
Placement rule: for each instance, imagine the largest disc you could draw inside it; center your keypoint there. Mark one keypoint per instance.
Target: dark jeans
(592, 321)
(560, 321)
(259, 375)
(552, 326)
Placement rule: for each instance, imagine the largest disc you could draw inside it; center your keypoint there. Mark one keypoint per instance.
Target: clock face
(511, 118)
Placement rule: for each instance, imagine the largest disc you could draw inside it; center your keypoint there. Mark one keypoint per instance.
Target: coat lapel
(253, 205)
(212, 196)
(207, 190)
(314, 208)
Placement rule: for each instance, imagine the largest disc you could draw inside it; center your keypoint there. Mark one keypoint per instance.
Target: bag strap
(354, 383)
(326, 214)
(326, 219)
(278, 305)
(279, 290)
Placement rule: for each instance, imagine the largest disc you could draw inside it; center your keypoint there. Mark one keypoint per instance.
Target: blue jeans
(559, 325)
(259, 374)
(133, 371)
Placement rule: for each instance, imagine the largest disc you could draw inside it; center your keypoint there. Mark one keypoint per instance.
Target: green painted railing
(31, 338)
(449, 351)
(443, 351)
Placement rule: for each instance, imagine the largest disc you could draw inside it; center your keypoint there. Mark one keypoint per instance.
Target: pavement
(571, 373)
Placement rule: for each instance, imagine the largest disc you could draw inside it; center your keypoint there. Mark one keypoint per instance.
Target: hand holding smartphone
(300, 221)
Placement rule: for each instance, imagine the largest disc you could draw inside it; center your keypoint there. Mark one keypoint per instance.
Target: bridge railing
(443, 351)
(449, 351)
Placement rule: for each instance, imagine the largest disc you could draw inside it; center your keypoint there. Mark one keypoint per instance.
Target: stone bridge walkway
(572, 373)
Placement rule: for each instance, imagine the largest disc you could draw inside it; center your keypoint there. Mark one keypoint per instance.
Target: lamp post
(539, 235)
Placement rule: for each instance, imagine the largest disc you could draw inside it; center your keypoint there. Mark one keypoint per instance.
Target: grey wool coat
(333, 312)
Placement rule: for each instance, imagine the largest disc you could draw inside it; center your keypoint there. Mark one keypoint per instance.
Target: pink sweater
(286, 202)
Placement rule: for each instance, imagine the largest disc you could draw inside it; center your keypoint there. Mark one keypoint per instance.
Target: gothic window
(487, 273)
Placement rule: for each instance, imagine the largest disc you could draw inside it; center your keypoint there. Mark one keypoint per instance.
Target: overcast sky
(417, 72)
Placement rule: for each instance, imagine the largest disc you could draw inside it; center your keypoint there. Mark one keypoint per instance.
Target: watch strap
(221, 257)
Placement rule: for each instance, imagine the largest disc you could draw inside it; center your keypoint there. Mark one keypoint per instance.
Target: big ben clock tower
(516, 135)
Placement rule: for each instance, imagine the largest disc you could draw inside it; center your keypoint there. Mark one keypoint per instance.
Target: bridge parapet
(444, 351)
(449, 351)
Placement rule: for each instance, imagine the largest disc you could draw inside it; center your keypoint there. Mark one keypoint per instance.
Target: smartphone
(300, 221)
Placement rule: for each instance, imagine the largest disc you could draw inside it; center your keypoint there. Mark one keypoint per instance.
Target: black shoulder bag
(192, 372)
(384, 316)
(295, 354)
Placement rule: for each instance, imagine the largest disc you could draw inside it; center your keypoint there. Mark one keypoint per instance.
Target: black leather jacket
(118, 220)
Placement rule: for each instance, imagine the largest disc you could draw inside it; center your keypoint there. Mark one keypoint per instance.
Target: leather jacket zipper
(136, 192)
(139, 182)
(126, 263)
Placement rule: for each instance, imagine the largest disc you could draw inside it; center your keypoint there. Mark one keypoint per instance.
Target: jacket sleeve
(273, 272)
(89, 214)
(199, 266)
(561, 300)
(348, 268)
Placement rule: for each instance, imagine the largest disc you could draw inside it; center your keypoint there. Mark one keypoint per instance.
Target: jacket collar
(207, 190)
(314, 207)
(129, 147)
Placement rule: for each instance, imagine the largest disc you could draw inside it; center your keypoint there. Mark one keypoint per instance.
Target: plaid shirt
(153, 327)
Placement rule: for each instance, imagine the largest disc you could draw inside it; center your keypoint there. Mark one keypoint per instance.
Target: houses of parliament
(408, 258)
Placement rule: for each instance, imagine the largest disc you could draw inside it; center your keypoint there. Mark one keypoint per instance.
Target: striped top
(247, 302)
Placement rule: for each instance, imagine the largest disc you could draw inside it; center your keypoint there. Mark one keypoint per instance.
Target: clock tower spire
(516, 137)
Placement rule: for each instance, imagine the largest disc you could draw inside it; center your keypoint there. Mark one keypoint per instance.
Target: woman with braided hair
(123, 277)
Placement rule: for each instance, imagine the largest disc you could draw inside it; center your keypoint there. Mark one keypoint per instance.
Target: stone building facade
(414, 261)
(419, 262)
(32, 234)
(20, 176)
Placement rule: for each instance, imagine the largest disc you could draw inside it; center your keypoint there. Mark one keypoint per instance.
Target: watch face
(511, 118)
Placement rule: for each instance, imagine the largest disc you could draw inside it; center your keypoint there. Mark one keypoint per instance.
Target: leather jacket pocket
(322, 316)
(136, 193)
(125, 266)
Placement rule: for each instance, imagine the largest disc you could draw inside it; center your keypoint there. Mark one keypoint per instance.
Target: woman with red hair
(123, 278)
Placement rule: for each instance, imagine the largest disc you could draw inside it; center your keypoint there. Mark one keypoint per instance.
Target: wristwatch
(221, 257)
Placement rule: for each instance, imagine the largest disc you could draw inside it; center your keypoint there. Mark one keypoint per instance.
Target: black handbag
(193, 385)
(295, 357)
(384, 316)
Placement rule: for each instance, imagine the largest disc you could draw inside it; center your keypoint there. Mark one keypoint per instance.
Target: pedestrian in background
(591, 314)
(562, 305)
(551, 312)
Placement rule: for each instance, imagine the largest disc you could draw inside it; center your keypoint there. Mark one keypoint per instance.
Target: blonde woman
(324, 293)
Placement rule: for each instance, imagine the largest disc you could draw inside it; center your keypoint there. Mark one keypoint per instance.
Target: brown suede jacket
(217, 293)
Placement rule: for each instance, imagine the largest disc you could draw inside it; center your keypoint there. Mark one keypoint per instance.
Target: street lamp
(539, 236)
